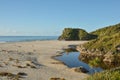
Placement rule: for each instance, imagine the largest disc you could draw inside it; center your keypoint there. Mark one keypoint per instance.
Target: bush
(108, 39)
(106, 75)
(95, 62)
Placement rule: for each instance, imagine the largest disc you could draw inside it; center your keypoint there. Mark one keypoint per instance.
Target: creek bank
(70, 58)
(107, 58)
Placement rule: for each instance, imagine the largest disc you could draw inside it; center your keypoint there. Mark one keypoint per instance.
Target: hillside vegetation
(107, 43)
(106, 75)
(75, 34)
(107, 31)
(108, 39)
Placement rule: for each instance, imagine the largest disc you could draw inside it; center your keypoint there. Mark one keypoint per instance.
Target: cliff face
(75, 34)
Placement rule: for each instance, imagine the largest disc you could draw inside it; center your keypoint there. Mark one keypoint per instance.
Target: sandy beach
(34, 59)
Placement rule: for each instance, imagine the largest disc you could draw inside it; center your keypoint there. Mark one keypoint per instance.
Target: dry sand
(34, 59)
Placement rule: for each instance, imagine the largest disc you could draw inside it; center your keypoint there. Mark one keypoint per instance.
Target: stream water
(72, 60)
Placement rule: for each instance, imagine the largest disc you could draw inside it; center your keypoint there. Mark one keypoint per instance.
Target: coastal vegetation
(108, 39)
(75, 34)
(106, 75)
(104, 42)
(95, 62)
(102, 50)
(107, 46)
(105, 39)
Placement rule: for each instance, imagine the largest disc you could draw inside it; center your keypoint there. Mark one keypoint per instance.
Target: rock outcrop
(81, 69)
(75, 34)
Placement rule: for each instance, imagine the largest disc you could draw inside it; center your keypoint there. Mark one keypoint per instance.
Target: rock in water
(81, 69)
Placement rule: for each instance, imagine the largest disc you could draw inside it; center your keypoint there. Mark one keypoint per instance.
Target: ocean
(26, 38)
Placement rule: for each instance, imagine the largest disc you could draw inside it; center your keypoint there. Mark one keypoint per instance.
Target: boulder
(81, 69)
(109, 57)
(118, 47)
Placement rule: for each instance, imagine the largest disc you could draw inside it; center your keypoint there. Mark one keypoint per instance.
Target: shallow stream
(72, 60)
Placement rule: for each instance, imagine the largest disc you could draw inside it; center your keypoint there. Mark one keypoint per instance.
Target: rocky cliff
(75, 34)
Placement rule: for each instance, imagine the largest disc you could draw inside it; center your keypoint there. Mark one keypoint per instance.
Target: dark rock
(22, 74)
(57, 79)
(109, 57)
(81, 69)
(118, 47)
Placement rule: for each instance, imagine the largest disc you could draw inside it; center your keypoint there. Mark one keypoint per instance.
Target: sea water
(26, 38)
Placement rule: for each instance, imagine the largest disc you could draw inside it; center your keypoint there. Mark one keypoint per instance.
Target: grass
(95, 62)
(107, 41)
(106, 75)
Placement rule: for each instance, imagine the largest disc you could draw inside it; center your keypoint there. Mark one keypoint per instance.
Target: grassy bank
(106, 75)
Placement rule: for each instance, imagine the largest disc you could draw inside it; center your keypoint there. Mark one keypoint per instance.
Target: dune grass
(106, 75)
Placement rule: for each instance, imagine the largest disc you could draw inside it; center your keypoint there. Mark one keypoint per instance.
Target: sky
(50, 17)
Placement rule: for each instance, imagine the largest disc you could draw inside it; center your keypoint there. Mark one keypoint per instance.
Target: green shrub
(95, 62)
(106, 75)
(108, 39)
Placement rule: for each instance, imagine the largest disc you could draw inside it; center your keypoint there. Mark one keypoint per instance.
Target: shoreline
(42, 51)
(5, 39)
(25, 41)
